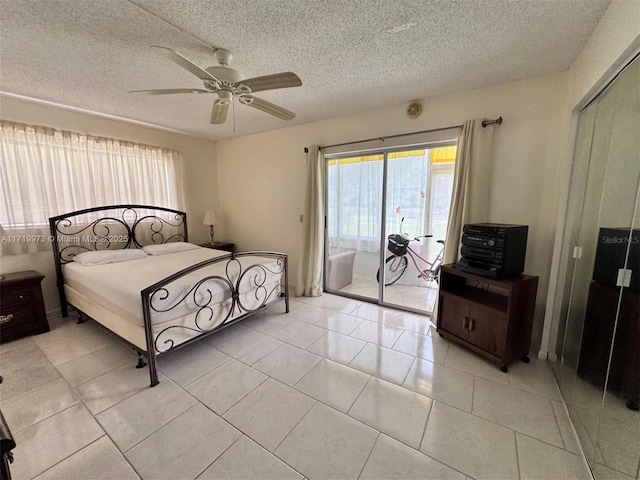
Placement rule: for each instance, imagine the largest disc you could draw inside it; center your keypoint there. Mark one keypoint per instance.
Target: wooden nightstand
(21, 305)
(226, 246)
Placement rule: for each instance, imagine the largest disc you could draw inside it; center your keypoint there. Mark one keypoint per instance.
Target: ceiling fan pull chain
(233, 106)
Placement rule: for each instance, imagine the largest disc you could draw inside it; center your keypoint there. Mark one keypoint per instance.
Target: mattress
(199, 300)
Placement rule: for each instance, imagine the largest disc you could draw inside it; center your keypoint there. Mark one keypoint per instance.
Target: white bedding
(117, 286)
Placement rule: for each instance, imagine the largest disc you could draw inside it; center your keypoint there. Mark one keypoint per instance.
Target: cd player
(494, 250)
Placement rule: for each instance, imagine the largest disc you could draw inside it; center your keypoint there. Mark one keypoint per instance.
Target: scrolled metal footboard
(217, 299)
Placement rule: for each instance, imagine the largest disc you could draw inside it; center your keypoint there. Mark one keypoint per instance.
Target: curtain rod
(497, 121)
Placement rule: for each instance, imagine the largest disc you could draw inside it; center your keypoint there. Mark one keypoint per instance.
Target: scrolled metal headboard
(111, 227)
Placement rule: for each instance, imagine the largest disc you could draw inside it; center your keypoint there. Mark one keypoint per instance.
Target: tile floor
(420, 297)
(336, 389)
(608, 430)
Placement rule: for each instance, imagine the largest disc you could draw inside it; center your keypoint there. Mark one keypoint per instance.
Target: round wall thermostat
(414, 109)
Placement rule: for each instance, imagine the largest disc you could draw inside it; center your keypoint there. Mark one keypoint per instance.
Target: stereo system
(494, 250)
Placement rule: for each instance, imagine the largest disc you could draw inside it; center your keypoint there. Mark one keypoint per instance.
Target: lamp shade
(209, 217)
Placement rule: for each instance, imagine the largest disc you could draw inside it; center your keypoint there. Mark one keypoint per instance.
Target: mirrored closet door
(598, 342)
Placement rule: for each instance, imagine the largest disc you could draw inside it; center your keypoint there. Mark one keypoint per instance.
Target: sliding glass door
(404, 193)
(354, 224)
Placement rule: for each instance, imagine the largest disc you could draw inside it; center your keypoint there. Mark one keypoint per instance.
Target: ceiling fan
(227, 83)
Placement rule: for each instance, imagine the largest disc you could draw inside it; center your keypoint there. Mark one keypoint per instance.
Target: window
(46, 172)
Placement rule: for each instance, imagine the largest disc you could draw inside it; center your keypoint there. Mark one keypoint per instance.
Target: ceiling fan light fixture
(224, 97)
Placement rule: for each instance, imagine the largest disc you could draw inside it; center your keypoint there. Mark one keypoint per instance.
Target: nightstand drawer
(16, 318)
(21, 305)
(16, 296)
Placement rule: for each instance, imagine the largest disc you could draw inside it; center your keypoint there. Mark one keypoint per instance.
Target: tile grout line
(424, 430)
(87, 445)
(415, 360)
(241, 399)
(547, 443)
(158, 429)
(431, 457)
(369, 456)
(216, 459)
(273, 452)
(33, 390)
(356, 400)
(537, 395)
(122, 453)
(515, 441)
(555, 415)
(473, 394)
(229, 357)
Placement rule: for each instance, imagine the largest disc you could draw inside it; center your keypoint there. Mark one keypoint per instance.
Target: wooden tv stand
(493, 318)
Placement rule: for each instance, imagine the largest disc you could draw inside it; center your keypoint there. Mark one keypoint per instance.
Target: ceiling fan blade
(219, 112)
(168, 91)
(268, 107)
(271, 82)
(185, 63)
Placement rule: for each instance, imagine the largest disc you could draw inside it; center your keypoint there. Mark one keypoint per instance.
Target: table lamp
(210, 219)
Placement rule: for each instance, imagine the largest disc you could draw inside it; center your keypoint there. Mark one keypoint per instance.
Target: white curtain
(46, 172)
(471, 184)
(312, 258)
(355, 198)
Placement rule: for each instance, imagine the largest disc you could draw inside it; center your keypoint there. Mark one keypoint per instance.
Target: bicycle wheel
(394, 267)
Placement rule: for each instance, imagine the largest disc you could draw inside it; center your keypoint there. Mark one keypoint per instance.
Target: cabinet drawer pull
(472, 325)
(465, 322)
(5, 318)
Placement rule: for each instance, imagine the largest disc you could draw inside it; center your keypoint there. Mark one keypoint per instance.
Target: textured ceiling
(352, 56)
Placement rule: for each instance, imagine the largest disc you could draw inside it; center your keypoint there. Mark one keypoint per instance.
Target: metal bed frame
(117, 227)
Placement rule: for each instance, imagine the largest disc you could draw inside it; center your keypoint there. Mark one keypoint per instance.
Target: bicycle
(396, 264)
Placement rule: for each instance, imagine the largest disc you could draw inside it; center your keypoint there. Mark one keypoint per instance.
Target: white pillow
(102, 257)
(171, 247)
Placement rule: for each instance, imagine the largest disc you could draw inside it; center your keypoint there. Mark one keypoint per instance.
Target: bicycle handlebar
(420, 236)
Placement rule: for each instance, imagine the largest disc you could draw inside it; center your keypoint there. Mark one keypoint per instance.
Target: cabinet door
(454, 316)
(488, 331)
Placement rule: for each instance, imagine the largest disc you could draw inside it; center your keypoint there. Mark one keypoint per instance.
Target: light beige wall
(263, 176)
(200, 172)
(616, 37)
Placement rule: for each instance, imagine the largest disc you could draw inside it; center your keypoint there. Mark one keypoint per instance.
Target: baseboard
(53, 314)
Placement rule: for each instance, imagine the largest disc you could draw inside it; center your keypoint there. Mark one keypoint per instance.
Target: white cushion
(172, 247)
(102, 257)
(340, 269)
